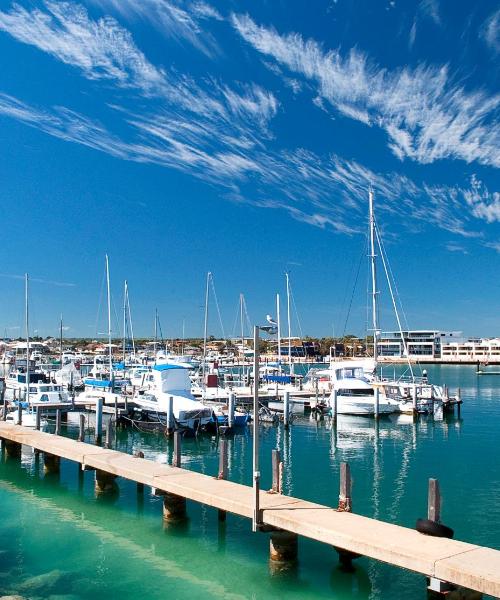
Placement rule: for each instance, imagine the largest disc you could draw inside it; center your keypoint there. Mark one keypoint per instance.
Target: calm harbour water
(57, 540)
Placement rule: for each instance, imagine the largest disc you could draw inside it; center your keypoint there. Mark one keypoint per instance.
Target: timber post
(276, 470)
(51, 463)
(58, 422)
(140, 486)
(345, 505)
(98, 421)
(222, 473)
(174, 506)
(81, 433)
(286, 409)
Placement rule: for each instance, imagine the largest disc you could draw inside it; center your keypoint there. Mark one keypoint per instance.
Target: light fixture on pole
(270, 329)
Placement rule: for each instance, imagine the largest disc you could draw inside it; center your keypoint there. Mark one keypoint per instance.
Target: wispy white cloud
(484, 204)
(102, 49)
(425, 115)
(454, 247)
(205, 11)
(430, 8)
(176, 19)
(490, 32)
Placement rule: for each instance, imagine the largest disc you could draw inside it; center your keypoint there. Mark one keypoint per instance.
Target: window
(356, 392)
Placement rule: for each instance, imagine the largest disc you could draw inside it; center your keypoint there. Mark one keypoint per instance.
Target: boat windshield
(350, 373)
(355, 392)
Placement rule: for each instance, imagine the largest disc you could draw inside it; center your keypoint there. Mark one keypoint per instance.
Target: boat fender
(428, 527)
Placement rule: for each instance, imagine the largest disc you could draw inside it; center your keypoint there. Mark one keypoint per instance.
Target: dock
(463, 564)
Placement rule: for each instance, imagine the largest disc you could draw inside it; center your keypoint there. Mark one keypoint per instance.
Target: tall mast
(374, 275)
(278, 320)
(129, 314)
(26, 289)
(242, 331)
(124, 321)
(183, 335)
(205, 329)
(156, 334)
(289, 321)
(61, 340)
(110, 350)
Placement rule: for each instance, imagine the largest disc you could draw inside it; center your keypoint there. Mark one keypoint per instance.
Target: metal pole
(373, 257)
(278, 321)
(230, 409)
(26, 290)
(286, 409)
(109, 319)
(289, 322)
(256, 472)
(205, 330)
(377, 402)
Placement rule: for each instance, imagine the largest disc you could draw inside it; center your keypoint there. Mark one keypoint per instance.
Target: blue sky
(182, 137)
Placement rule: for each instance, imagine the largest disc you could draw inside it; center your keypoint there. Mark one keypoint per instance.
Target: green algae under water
(58, 540)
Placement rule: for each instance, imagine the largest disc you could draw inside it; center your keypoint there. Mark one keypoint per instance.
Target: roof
(166, 367)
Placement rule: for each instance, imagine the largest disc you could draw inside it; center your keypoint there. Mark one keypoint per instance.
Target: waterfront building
(420, 344)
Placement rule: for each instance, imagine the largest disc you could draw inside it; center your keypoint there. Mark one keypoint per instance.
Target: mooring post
(283, 547)
(434, 501)
(170, 415)
(276, 468)
(12, 449)
(38, 417)
(377, 402)
(177, 457)
(116, 409)
(51, 463)
(104, 482)
(345, 497)
(415, 399)
(109, 430)
(98, 420)
(286, 409)
(230, 409)
(2, 399)
(58, 422)
(222, 472)
(19, 413)
(345, 505)
(81, 433)
(334, 405)
(459, 401)
(140, 486)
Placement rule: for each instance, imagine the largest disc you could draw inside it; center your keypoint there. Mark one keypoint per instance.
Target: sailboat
(101, 381)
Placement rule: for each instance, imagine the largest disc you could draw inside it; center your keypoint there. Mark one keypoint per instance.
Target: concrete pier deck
(464, 564)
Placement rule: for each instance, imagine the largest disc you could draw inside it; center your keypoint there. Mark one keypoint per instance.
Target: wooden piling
(12, 449)
(177, 457)
(19, 414)
(51, 463)
(109, 430)
(174, 507)
(140, 486)
(98, 421)
(434, 501)
(81, 434)
(276, 462)
(170, 415)
(415, 399)
(222, 472)
(345, 497)
(377, 403)
(38, 418)
(334, 401)
(58, 422)
(104, 482)
(283, 546)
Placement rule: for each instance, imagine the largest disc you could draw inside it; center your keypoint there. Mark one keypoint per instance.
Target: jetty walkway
(460, 563)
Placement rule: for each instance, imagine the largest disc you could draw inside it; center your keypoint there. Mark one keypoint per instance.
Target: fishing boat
(353, 390)
(171, 381)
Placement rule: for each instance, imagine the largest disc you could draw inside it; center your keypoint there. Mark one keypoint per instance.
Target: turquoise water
(57, 539)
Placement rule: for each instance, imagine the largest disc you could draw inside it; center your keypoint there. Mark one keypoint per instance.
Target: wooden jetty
(445, 560)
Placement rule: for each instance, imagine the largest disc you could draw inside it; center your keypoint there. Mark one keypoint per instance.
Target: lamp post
(271, 329)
